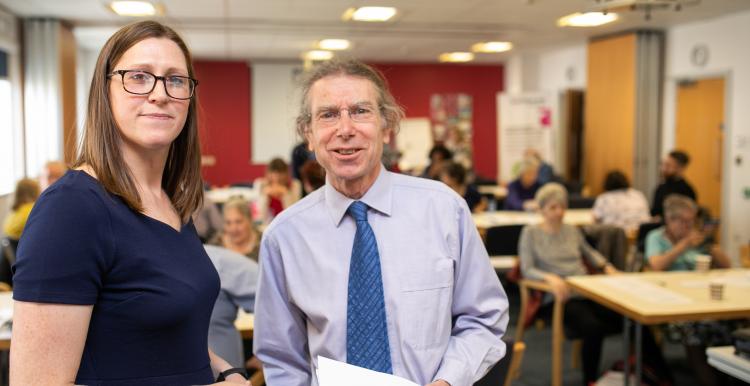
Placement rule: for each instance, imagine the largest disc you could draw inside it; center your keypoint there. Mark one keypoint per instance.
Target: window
(7, 140)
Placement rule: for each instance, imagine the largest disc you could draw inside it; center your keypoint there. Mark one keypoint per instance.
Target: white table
(487, 220)
(724, 359)
(222, 195)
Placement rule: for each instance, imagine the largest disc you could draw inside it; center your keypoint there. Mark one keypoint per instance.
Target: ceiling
(269, 30)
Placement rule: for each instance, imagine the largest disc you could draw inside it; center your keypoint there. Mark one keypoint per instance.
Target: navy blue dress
(152, 288)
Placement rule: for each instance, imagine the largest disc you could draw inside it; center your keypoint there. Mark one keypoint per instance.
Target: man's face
(670, 167)
(348, 150)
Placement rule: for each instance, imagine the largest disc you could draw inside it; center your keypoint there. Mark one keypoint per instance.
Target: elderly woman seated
(239, 234)
(551, 251)
(522, 190)
(675, 247)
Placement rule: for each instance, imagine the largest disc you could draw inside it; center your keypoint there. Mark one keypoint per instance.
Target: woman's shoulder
(75, 191)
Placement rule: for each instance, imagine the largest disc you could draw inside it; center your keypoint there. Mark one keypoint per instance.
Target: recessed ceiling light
(588, 19)
(369, 14)
(334, 44)
(456, 57)
(133, 8)
(492, 47)
(318, 55)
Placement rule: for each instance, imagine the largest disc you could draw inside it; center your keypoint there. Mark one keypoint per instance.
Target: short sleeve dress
(152, 287)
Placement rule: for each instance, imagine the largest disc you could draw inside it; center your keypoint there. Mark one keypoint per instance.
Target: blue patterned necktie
(366, 332)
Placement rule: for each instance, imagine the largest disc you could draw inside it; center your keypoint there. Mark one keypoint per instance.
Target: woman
(278, 190)
(27, 191)
(239, 234)
(674, 247)
(454, 175)
(112, 285)
(620, 205)
(522, 190)
(550, 252)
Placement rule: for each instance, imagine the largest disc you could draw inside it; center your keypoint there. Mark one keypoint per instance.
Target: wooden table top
(486, 220)
(659, 297)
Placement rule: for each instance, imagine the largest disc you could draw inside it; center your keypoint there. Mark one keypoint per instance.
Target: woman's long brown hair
(100, 146)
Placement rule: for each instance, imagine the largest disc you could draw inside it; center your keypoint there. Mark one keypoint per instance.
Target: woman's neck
(551, 227)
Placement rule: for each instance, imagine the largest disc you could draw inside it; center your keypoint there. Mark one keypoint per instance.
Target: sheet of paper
(334, 373)
(645, 290)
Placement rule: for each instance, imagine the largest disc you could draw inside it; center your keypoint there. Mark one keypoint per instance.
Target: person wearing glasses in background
(381, 270)
(112, 285)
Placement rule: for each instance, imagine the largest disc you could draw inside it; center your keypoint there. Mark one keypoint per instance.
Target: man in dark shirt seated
(673, 181)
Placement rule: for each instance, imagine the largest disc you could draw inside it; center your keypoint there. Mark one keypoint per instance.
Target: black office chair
(8, 248)
(640, 244)
(579, 202)
(503, 240)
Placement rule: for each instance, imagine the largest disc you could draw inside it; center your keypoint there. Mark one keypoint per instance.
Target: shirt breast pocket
(425, 315)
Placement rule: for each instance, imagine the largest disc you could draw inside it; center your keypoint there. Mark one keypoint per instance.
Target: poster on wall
(527, 121)
(450, 116)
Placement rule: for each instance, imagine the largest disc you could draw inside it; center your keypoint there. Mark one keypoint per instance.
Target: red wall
(224, 101)
(224, 125)
(413, 85)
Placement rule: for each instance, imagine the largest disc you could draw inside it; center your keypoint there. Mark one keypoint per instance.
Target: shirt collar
(378, 197)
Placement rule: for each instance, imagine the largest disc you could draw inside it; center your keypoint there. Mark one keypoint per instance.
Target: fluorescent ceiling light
(456, 57)
(369, 14)
(318, 55)
(588, 19)
(334, 44)
(492, 47)
(133, 8)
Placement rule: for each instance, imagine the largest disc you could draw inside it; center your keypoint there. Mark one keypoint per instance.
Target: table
(499, 192)
(245, 322)
(724, 359)
(222, 195)
(486, 220)
(660, 297)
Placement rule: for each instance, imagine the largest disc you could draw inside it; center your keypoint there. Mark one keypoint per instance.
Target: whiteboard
(414, 142)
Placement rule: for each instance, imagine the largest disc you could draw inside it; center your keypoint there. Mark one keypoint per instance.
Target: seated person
(239, 278)
(546, 172)
(551, 251)
(312, 175)
(522, 190)
(620, 205)
(454, 175)
(674, 247)
(27, 191)
(439, 156)
(51, 172)
(239, 235)
(277, 190)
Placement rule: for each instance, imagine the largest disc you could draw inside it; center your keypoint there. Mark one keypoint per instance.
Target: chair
(502, 246)
(8, 248)
(525, 287)
(640, 259)
(580, 202)
(506, 370)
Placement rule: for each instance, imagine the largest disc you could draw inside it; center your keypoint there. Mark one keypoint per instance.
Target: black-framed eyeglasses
(143, 82)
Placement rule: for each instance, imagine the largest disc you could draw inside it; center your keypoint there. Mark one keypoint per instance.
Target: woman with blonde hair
(27, 191)
(112, 285)
(239, 234)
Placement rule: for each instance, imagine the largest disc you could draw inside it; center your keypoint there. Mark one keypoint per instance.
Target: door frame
(669, 135)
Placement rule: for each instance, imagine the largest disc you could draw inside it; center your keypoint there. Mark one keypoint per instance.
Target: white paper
(645, 290)
(334, 373)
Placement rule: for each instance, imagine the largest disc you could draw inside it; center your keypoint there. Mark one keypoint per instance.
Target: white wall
(563, 69)
(726, 39)
(274, 107)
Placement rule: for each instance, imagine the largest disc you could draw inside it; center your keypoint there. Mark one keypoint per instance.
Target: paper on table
(335, 373)
(645, 290)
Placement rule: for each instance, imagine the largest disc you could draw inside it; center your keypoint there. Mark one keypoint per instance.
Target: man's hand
(439, 382)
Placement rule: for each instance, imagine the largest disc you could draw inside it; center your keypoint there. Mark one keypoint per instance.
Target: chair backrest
(579, 202)
(500, 371)
(503, 240)
(7, 259)
(643, 230)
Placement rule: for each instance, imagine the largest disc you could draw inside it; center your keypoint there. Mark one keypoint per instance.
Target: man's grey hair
(551, 192)
(389, 109)
(676, 203)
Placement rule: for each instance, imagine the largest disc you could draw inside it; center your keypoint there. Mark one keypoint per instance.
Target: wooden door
(699, 132)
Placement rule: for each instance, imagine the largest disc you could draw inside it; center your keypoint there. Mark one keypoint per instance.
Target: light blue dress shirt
(446, 311)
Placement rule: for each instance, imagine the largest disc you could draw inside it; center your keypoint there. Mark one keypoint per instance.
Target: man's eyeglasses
(143, 83)
(357, 113)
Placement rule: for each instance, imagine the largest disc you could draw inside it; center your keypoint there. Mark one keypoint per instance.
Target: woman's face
(236, 226)
(680, 224)
(553, 212)
(149, 122)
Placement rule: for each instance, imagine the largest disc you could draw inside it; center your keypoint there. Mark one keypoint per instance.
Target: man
(51, 172)
(673, 181)
(377, 269)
